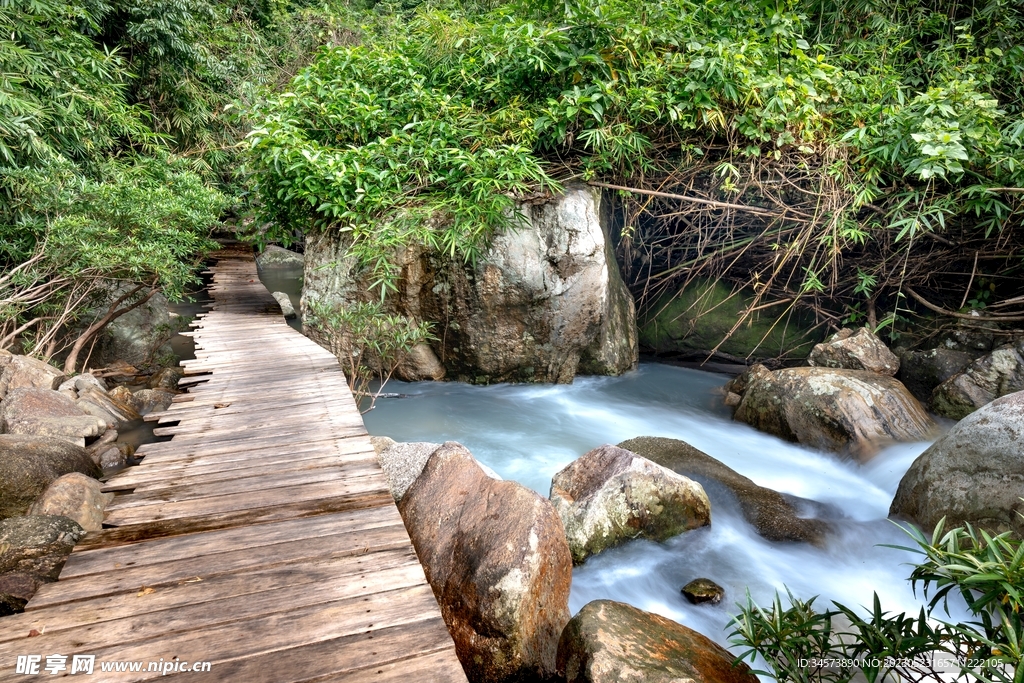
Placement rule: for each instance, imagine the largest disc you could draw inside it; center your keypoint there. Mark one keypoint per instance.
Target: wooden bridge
(261, 538)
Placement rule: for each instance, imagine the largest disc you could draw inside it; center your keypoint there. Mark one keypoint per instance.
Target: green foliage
(369, 343)
(986, 571)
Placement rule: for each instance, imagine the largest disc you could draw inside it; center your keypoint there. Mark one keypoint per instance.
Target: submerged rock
(495, 555)
(852, 411)
(543, 303)
(982, 381)
(973, 474)
(29, 463)
(611, 642)
(76, 497)
(700, 591)
(609, 495)
(860, 350)
(775, 516)
(285, 302)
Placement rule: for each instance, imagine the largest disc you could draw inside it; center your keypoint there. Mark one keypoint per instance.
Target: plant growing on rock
(801, 644)
(369, 343)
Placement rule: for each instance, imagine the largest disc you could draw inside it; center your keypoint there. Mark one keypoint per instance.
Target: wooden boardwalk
(261, 538)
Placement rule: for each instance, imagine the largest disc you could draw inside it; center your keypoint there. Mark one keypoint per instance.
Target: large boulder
(696, 319)
(543, 303)
(609, 495)
(141, 336)
(76, 497)
(29, 463)
(922, 371)
(33, 550)
(279, 257)
(495, 555)
(984, 380)
(18, 372)
(775, 516)
(611, 642)
(851, 411)
(47, 412)
(860, 350)
(974, 473)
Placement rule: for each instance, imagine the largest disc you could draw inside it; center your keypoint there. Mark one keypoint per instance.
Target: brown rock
(154, 400)
(20, 372)
(775, 516)
(496, 557)
(853, 411)
(123, 396)
(860, 350)
(167, 378)
(420, 364)
(46, 412)
(122, 412)
(611, 642)
(609, 495)
(29, 463)
(16, 589)
(76, 497)
(700, 591)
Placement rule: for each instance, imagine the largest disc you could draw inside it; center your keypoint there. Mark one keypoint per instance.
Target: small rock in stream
(703, 591)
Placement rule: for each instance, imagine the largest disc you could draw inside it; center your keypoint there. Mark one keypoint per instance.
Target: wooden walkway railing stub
(261, 538)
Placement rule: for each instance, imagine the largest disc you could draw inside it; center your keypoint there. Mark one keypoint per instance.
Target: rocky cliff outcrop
(545, 301)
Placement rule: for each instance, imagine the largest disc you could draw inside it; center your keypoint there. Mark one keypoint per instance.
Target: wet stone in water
(703, 590)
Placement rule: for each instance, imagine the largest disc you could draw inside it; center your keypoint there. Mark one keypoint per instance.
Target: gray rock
(18, 372)
(276, 257)
(47, 412)
(609, 495)
(975, 473)
(496, 558)
(87, 381)
(543, 303)
(402, 462)
(984, 380)
(29, 463)
(381, 443)
(851, 411)
(421, 364)
(154, 400)
(774, 516)
(76, 497)
(35, 547)
(141, 336)
(860, 350)
(611, 642)
(922, 371)
(166, 379)
(285, 302)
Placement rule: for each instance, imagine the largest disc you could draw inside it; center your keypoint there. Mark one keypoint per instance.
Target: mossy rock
(697, 318)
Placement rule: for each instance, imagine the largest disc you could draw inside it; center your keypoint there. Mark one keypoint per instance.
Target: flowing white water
(529, 432)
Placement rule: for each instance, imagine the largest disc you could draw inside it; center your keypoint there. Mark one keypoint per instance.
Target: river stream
(529, 432)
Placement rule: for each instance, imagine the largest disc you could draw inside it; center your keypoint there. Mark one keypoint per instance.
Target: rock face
(29, 463)
(775, 516)
(33, 550)
(986, 379)
(277, 257)
(609, 495)
(495, 555)
(76, 497)
(611, 642)
(543, 303)
(47, 412)
(695, 320)
(19, 372)
(860, 350)
(975, 473)
(922, 371)
(833, 410)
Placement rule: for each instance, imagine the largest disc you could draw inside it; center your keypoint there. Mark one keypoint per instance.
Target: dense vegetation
(119, 149)
(984, 571)
(839, 149)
